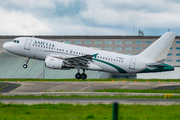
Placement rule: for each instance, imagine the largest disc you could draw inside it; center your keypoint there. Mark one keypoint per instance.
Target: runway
(92, 101)
(83, 86)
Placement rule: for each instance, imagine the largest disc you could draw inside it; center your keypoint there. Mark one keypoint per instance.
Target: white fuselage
(109, 61)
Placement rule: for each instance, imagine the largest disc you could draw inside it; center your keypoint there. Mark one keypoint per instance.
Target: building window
(117, 42)
(177, 54)
(138, 48)
(138, 42)
(97, 42)
(117, 48)
(148, 42)
(68, 42)
(107, 42)
(171, 48)
(136, 53)
(77, 42)
(98, 48)
(128, 42)
(168, 60)
(107, 48)
(177, 60)
(178, 42)
(128, 48)
(169, 54)
(128, 54)
(87, 42)
(177, 48)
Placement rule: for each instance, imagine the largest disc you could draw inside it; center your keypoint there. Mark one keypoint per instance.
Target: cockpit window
(16, 41)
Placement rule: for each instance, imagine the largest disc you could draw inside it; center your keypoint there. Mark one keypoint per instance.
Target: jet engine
(55, 63)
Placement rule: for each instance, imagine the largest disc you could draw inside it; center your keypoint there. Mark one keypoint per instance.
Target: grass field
(139, 91)
(87, 112)
(88, 96)
(94, 80)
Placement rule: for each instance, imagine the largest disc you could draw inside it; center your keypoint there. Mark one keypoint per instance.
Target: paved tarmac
(85, 88)
(93, 101)
(91, 86)
(6, 87)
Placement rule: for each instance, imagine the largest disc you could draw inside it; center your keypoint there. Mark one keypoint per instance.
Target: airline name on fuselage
(37, 42)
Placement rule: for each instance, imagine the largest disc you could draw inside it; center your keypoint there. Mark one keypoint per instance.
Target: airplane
(59, 55)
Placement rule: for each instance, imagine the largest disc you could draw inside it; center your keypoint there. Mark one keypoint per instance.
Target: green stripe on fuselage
(112, 65)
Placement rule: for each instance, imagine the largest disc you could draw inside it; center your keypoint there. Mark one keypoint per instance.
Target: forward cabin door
(132, 64)
(27, 44)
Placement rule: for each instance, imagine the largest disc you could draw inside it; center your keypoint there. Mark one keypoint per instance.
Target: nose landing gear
(25, 65)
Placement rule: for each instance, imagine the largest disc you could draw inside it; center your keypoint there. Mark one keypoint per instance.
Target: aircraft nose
(6, 46)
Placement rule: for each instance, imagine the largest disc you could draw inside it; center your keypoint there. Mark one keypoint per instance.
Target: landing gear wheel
(25, 66)
(83, 76)
(78, 76)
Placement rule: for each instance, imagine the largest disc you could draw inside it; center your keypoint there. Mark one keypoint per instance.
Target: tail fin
(159, 49)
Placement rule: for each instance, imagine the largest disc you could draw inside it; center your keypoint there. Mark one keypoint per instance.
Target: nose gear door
(132, 64)
(27, 44)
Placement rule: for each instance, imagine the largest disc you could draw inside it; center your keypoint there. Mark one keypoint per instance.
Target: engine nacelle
(55, 63)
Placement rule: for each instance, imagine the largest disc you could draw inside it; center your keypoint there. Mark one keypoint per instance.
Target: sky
(89, 17)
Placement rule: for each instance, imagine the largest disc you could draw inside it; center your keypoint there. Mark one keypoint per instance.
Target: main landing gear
(25, 65)
(81, 76)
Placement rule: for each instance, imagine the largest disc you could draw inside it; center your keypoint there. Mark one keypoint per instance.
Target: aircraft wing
(77, 60)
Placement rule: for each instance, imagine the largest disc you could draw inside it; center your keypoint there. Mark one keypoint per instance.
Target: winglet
(95, 55)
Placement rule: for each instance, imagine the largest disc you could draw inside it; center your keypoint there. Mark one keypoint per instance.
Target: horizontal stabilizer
(155, 65)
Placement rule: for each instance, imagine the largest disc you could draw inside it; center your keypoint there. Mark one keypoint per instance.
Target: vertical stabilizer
(159, 49)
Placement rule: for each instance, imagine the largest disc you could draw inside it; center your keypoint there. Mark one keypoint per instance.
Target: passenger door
(132, 64)
(27, 44)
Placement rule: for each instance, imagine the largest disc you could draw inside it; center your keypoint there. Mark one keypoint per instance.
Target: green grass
(87, 112)
(139, 91)
(95, 80)
(87, 96)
